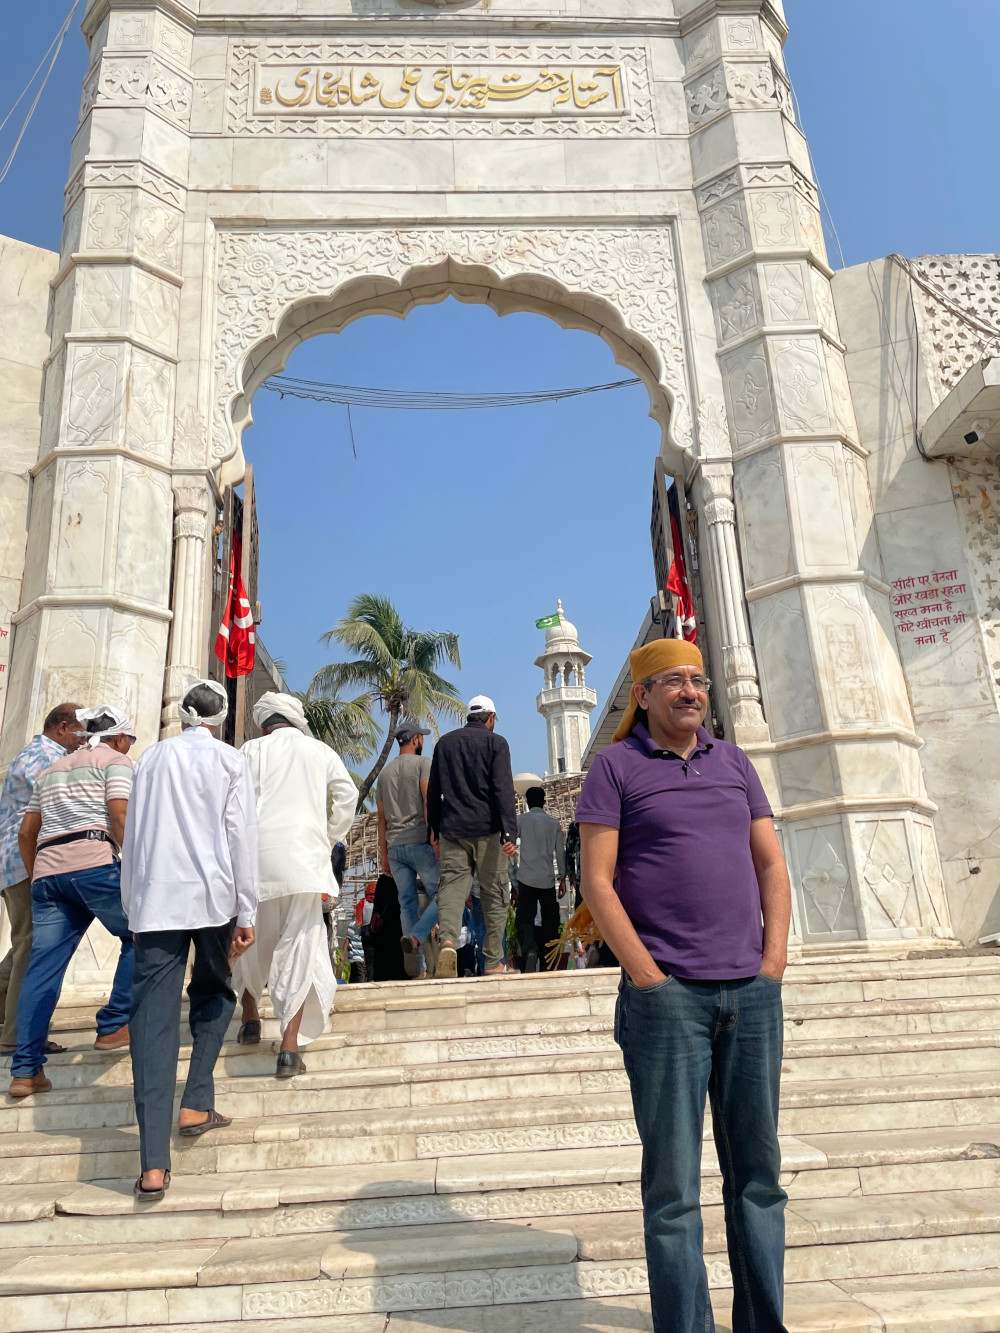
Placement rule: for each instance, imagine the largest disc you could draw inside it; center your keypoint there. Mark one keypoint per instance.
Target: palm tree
(396, 666)
(346, 725)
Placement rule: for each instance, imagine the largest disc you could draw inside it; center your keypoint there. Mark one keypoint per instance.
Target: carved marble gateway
(631, 270)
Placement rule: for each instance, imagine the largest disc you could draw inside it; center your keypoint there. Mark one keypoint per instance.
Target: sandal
(249, 1033)
(51, 1048)
(501, 971)
(214, 1121)
(151, 1196)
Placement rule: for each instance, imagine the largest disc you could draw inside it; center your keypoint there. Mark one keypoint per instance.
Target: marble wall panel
(85, 508)
(786, 291)
(108, 221)
(762, 512)
(72, 653)
(850, 679)
(816, 492)
(149, 405)
(736, 303)
(40, 552)
(727, 235)
(787, 670)
(145, 527)
(93, 396)
(137, 653)
(802, 390)
(154, 311)
(806, 775)
(888, 879)
(749, 395)
(772, 219)
(822, 869)
(99, 304)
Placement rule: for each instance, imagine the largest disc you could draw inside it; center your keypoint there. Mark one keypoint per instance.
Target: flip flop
(214, 1121)
(249, 1033)
(151, 1196)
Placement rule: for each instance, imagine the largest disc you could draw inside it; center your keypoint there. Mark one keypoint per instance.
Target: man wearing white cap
(189, 878)
(70, 834)
(472, 810)
(292, 773)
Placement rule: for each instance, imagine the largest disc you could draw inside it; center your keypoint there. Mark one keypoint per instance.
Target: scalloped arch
(275, 288)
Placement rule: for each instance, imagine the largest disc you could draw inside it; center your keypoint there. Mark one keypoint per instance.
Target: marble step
(273, 1200)
(481, 1263)
(849, 1057)
(943, 1303)
(835, 1104)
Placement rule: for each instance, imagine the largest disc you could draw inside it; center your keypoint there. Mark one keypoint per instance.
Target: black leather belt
(93, 834)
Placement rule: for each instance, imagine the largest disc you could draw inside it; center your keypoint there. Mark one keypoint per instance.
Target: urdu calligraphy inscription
(443, 90)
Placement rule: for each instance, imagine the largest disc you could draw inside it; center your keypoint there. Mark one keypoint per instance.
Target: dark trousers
(680, 1040)
(155, 1027)
(62, 909)
(528, 899)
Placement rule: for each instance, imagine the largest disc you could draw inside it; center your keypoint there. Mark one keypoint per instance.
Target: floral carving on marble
(726, 235)
(262, 274)
(969, 283)
(887, 871)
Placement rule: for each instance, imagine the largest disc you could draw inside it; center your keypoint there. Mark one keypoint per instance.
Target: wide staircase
(462, 1156)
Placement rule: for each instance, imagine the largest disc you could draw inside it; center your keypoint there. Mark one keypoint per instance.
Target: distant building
(565, 701)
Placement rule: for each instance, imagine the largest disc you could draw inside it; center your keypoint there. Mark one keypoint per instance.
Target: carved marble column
(840, 755)
(739, 665)
(194, 511)
(95, 611)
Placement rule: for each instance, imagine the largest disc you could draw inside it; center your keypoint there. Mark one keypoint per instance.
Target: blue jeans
(406, 863)
(682, 1040)
(62, 908)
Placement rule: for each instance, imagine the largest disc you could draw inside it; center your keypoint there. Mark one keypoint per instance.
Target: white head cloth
(285, 705)
(122, 725)
(192, 719)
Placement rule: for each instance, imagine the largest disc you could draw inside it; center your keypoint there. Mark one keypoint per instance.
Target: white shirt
(189, 859)
(292, 774)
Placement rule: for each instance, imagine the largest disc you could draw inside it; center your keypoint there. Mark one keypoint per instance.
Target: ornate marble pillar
(718, 514)
(840, 754)
(193, 514)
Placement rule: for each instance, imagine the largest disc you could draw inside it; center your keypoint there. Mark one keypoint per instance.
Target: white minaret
(565, 701)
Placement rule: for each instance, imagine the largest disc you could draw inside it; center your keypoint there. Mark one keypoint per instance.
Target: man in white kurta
(188, 881)
(292, 773)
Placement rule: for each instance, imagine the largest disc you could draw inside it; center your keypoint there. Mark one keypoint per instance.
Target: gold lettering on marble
(449, 90)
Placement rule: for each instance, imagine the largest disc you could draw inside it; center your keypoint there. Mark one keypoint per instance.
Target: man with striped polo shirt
(69, 841)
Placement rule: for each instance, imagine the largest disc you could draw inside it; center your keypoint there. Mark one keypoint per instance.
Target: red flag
(677, 583)
(236, 643)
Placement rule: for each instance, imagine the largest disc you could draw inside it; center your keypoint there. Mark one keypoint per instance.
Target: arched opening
(462, 519)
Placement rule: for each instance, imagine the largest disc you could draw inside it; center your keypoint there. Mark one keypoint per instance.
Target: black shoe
(249, 1033)
(531, 962)
(290, 1063)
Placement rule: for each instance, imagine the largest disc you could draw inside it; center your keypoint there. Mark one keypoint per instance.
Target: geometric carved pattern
(973, 283)
(825, 879)
(632, 59)
(261, 275)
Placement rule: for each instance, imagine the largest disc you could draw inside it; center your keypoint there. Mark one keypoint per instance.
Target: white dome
(564, 632)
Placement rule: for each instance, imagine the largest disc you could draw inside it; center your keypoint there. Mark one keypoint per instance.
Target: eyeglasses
(701, 684)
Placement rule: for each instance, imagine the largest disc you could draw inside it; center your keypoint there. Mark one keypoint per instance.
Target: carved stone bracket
(631, 271)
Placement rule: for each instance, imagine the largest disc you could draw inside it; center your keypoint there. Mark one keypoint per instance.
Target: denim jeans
(155, 1027)
(406, 863)
(62, 907)
(682, 1040)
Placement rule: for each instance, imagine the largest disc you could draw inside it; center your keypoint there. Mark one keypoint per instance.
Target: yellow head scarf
(659, 655)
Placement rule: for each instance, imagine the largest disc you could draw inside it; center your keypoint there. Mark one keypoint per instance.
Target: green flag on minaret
(547, 622)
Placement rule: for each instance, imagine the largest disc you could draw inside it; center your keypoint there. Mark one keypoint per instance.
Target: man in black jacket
(472, 815)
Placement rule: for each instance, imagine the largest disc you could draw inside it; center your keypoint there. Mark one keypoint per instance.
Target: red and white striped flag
(236, 643)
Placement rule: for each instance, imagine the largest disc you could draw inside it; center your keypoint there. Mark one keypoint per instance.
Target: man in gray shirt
(404, 849)
(542, 848)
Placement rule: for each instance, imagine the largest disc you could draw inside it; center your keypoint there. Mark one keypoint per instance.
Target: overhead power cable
(54, 48)
(420, 400)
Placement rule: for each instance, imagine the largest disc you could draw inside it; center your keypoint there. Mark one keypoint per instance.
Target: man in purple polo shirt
(684, 876)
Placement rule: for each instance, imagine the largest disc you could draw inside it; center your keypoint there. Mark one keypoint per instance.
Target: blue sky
(477, 522)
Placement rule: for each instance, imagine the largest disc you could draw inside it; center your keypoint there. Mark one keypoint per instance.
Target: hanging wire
(419, 400)
(57, 43)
